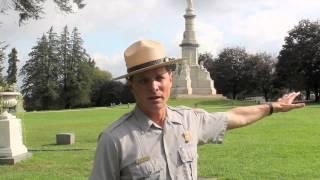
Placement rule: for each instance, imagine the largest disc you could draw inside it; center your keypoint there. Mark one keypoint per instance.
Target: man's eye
(142, 81)
(159, 78)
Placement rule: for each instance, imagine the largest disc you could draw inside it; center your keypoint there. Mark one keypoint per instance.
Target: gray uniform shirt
(134, 147)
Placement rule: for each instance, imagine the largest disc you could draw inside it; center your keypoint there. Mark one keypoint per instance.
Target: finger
(298, 105)
(292, 96)
(284, 96)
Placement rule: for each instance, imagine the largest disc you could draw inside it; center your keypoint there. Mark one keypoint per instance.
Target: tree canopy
(299, 60)
(227, 70)
(237, 72)
(2, 58)
(33, 9)
(12, 69)
(58, 73)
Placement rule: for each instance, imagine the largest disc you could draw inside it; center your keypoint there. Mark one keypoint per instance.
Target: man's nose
(154, 85)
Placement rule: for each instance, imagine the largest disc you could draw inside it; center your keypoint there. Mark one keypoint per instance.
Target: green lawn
(283, 146)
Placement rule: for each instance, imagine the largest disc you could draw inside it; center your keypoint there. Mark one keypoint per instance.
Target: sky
(109, 27)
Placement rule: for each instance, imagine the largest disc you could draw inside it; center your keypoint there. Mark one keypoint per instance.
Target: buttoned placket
(142, 135)
(169, 143)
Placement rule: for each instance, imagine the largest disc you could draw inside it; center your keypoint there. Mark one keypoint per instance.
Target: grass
(283, 146)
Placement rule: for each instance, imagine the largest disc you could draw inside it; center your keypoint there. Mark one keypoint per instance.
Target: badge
(143, 159)
(187, 136)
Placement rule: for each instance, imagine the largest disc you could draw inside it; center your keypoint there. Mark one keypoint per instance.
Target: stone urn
(7, 100)
(12, 148)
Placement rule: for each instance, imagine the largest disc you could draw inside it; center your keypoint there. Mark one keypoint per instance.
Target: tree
(64, 51)
(33, 9)
(35, 76)
(114, 92)
(260, 76)
(59, 73)
(299, 58)
(2, 56)
(53, 68)
(236, 72)
(126, 95)
(41, 75)
(227, 71)
(100, 77)
(12, 69)
(77, 70)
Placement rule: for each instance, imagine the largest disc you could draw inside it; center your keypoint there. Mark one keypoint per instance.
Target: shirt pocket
(187, 169)
(149, 170)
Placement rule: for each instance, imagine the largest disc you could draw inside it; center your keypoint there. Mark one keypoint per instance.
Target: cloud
(114, 64)
(256, 25)
(108, 27)
(210, 38)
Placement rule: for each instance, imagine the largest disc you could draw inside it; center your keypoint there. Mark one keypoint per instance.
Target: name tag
(143, 159)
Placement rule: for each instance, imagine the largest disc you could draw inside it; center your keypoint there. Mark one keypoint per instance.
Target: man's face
(151, 89)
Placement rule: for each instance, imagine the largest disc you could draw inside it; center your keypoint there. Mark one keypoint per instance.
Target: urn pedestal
(12, 148)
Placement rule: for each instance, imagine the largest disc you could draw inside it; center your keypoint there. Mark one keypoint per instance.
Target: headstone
(65, 138)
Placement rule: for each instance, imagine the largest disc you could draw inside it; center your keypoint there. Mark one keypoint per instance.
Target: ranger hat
(144, 55)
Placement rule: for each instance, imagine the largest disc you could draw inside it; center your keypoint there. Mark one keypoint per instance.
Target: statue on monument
(190, 5)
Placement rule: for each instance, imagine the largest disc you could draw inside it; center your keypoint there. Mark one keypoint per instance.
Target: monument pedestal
(12, 148)
(192, 80)
(201, 84)
(181, 81)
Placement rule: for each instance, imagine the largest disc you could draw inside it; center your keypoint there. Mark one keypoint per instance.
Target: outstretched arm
(242, 116)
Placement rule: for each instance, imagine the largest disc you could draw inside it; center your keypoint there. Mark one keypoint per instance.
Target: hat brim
(175, 61)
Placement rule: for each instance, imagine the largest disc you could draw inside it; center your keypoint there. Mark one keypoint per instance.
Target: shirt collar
(144, 122)
(172, 117)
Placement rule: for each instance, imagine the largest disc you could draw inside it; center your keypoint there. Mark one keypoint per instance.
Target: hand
(286, 103)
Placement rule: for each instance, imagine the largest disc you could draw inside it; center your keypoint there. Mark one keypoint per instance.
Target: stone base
(192, 80)
(190, 96)
(15, 159)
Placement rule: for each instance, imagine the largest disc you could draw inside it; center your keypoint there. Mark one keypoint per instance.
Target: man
(156, 141)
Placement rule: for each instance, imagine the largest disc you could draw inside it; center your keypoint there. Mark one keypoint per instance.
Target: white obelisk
(190, 78)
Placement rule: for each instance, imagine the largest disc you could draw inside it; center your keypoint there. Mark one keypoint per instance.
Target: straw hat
(144, 55)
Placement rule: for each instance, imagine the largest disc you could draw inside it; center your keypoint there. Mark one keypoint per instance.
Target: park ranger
(156, 141)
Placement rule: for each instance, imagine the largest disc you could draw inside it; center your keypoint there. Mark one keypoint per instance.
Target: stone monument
(12, 148)
(190, 78)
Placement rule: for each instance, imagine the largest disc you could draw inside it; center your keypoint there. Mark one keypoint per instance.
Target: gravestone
(65, 138)
(12, 148)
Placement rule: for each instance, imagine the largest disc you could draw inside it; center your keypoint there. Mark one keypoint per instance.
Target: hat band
(147, 64)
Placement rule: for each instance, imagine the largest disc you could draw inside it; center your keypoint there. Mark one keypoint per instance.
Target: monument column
(190, 78)
(189, 43)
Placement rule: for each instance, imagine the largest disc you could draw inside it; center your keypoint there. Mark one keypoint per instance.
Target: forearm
(242, 116)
